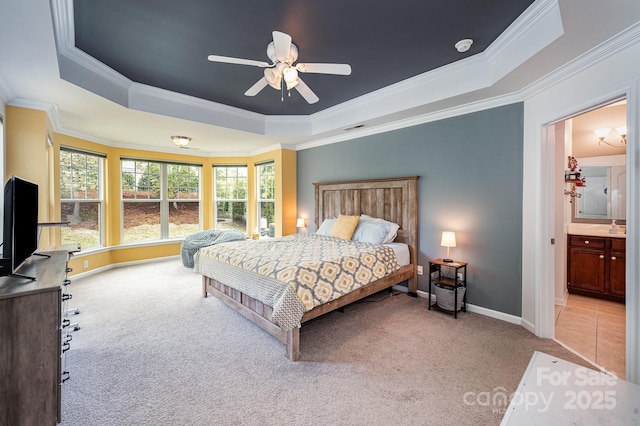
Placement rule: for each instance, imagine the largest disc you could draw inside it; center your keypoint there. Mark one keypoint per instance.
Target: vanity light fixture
(448, 240)
(622, 131)
(603, 133)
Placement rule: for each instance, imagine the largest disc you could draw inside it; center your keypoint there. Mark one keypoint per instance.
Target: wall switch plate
(420, 271)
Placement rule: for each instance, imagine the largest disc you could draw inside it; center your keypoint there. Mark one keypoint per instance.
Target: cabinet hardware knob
(586, 241)
(601, 256)
(613, 258)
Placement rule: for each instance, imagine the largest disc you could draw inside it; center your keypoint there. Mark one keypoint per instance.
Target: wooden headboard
(392, 199)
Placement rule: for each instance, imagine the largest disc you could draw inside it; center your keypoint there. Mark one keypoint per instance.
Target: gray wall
(470, 170)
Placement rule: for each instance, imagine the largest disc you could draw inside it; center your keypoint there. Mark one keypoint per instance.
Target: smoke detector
(463, 45)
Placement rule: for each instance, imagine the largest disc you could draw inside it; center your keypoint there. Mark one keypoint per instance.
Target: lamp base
(447, 260)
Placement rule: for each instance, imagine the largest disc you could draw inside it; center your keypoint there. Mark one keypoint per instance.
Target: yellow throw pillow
(344, 227)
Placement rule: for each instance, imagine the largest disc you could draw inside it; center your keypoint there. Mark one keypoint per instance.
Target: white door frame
(545, 265)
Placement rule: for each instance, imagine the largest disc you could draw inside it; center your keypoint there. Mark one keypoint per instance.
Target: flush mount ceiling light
(463, 45)
(181, 140)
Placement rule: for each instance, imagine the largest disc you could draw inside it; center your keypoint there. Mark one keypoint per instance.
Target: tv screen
(20, 221)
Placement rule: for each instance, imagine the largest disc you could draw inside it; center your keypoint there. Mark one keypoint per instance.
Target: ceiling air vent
(357, 126)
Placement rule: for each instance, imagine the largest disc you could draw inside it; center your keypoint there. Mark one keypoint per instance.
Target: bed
(391, 199)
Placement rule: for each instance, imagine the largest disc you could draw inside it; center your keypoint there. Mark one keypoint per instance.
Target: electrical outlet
(460, 276)
(85, 264)
(419, 270)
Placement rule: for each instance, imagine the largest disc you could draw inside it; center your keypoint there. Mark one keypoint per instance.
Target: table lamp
(448, 240)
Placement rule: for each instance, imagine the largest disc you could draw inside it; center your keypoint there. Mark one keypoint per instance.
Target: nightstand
(451, 276)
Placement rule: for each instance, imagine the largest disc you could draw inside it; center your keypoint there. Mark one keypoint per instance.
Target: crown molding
(417, 120)
(6, 94)
(606, 49)
(538, 26)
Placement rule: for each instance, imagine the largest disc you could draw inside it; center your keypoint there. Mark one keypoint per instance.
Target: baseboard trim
(473, 308)
(122, 264)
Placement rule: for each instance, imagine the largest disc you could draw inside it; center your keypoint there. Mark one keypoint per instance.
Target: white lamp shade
(602, 133)
(300, 223)
(448, 239)
(622, 131)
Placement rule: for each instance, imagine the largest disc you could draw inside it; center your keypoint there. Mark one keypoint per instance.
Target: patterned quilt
(315, 268)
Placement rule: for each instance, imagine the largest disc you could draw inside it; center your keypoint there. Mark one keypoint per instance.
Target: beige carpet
(152, 351)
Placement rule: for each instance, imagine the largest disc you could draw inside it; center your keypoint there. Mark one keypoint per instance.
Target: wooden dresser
(31, 322)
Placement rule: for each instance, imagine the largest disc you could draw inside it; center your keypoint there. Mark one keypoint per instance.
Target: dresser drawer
(618, 244)
(586, 241)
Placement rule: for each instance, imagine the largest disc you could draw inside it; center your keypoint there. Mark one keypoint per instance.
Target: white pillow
(392, 227)
(325, 227)
(370, 231)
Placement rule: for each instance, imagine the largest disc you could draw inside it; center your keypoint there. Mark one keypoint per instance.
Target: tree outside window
(160, 200)
(81, 198)
(266, 198)
(230, 195)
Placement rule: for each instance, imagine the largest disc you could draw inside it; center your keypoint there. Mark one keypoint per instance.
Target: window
(160, 200)
(230, 195)
(266, 198)
(81, 199)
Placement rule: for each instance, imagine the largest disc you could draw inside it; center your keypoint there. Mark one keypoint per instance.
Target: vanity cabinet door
(617, 273)
(587, 269)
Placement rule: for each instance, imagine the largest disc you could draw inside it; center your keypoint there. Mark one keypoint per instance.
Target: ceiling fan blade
(306, 93)
(339, 69)
(256, 88)
(238, 61)
(282, 45)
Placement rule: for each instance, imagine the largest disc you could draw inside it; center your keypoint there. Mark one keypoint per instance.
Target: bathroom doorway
(590, 313)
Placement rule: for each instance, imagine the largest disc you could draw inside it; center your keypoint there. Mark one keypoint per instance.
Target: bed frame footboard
(262, 315)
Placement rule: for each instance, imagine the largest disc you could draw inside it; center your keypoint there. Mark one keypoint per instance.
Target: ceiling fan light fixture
(181, 140)
(290, 75)
(292, 84)
(273, 77)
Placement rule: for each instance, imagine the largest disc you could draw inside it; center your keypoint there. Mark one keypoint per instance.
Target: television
(20, 224)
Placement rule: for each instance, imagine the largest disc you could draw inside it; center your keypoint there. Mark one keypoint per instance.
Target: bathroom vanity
(596, 262)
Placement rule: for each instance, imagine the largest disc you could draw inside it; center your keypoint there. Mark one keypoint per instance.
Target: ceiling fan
(281, 72)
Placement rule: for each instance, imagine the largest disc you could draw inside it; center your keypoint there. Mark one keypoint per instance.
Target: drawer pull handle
(586, 241)
(601, 256)
(613, 258)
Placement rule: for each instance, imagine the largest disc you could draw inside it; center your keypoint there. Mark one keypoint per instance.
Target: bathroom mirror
(604, 196)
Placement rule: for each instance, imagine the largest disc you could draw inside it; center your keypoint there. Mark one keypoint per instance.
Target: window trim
(163, 200)
(101, 200)
(216, 200)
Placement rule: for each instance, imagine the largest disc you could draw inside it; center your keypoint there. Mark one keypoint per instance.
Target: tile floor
(595, 329)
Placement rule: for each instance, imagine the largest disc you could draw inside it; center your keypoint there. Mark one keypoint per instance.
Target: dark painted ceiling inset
(165, 43)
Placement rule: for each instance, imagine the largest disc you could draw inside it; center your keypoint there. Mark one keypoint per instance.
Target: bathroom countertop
(596, 230)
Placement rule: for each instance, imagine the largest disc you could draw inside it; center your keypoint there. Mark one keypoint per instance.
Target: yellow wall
(28, 157)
